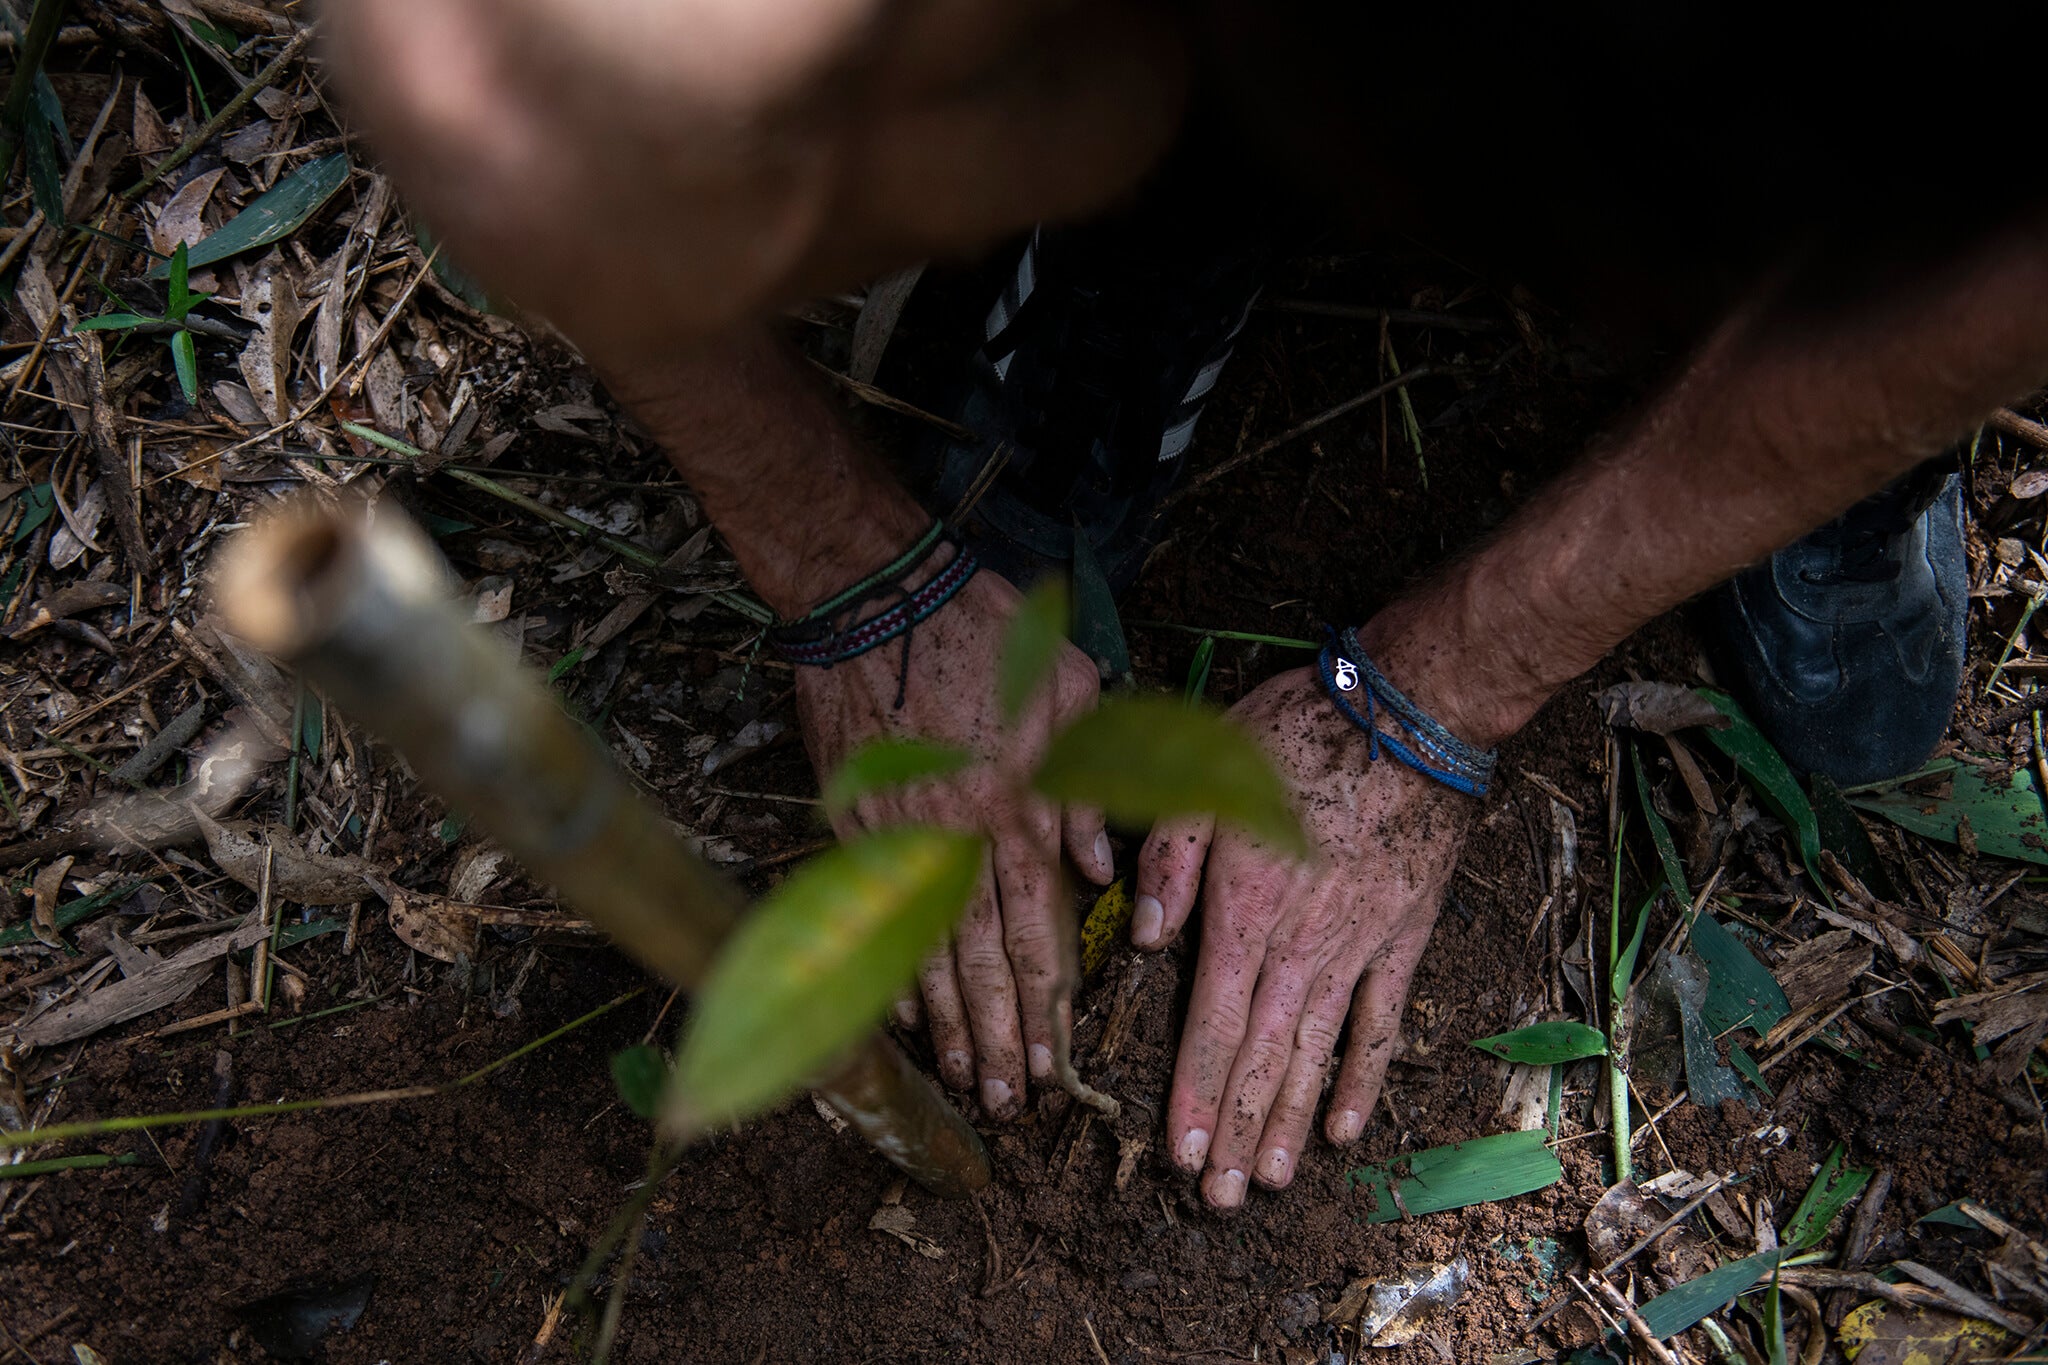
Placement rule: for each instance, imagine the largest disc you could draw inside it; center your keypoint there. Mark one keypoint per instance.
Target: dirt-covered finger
(1025, 861)
(952, 1043)
(1375, 1037)
(988, 990)
(1256, 1076)
(1219, 1009)
(1087, 841)
(1294, 1108)
(1169, 876)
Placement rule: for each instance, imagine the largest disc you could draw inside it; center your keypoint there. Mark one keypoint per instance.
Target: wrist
(1470, 674)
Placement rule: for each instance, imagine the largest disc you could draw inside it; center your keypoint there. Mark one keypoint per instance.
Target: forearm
(806, 508)
(1779, 424)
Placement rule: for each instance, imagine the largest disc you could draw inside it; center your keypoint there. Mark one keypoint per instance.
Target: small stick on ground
(1658, 1351)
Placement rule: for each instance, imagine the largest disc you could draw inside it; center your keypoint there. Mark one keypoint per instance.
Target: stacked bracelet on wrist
(1424, 744)
(837, 629)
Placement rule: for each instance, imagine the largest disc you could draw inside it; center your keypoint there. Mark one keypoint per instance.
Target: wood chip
(168, 982)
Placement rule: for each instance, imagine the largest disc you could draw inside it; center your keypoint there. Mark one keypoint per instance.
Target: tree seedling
(184, 351)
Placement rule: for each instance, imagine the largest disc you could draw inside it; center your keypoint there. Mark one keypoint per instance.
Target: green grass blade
(816, 965)
(1765, 768)
(38, 506)
(113, 322)
(2005, 817)
(1198, 670)
(885, 763)
(1141, 759)
(1624, 967)
(185, 356)
(1774, 1322)
(1031, 647)
(1675, 1310)
(640, 1073)
(1451, 1177)
(1832, 1190)
(73, 913)
(180, 273)
(45, 176)
(1561, 1040)
(273, 215)
(1660, 832)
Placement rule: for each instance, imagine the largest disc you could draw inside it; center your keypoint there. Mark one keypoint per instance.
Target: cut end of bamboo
(281, 582)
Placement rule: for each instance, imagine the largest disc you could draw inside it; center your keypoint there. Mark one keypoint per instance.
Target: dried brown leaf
(1658, 708)
(440, 928)
(49, 885)
(181, 219)
(164, 983)
(240, 848)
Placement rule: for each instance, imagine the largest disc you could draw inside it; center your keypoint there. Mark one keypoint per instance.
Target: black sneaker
(1095, 363)
(1847, 646)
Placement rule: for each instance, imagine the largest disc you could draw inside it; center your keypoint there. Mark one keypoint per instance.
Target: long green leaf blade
(1660, 832)
(1765, 768)
(1462, 1173)
(2005, 817)
(1141, 759)
(1675, 1310)
(111, 322)
(1831, 1191)
(1560, 1040)
(884, 763)
(186, 358)
(640, 1072)
(1740, 990)
(272, 215)
(816, 965)
(1031, 647)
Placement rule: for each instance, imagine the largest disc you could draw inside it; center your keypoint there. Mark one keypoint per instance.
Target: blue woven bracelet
(1428, 748)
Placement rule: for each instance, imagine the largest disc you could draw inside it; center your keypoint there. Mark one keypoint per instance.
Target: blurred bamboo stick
(359, 603)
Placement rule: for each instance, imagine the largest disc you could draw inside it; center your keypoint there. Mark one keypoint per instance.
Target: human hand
(990, 995)
(1288, 950)
(647, 173)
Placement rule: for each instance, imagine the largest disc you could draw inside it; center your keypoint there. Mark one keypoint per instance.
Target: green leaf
(1624, 968)
(564, 664)
(273, 215)
(1842, 834)
(1561, 1040)
(185, 356)
(1198, 670)
(109, 322)
(1677, 1309)
(1476, 1172)
(1098, 630)
(1774, 1322)
(885, 763)
(1660, 832)
(1740, 991)
(1766, 771)
(45, 177)
(68, 915)
(2005, 817)
(1141, 759)
(1031, 647)
(640, 1073)
(179, 269)
(458, 281)
(39, 504)
(816, 965)
(292, 935)
(312, 725)
(1832, 1191)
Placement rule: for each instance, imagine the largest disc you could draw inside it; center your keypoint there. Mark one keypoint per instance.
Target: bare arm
(808, 511)
(1782, 421)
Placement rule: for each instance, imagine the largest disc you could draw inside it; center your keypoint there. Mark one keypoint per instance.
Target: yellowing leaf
(1141, 759)
(1105, 924)
(816, 965)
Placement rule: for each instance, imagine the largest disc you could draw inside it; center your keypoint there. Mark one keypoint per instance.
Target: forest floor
(1915, 980)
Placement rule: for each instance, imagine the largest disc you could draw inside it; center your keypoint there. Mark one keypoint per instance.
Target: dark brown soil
(473, 1210)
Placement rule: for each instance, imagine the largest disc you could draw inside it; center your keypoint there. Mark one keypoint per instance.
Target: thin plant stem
(1617, 992)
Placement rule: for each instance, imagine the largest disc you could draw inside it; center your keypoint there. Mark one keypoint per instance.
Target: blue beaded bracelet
(1428, 748)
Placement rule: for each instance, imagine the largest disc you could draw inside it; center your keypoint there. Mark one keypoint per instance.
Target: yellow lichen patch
(1104, 926)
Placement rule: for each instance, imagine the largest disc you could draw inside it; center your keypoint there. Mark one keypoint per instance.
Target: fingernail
(1229, 1192)
(958, 1069)
(1273, 1167)
(1041, 1061)
(906, 1014)
(1148, 916)
(1347, 1126)
(995, 1095)
(1104, 858)
(1194, 1149)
